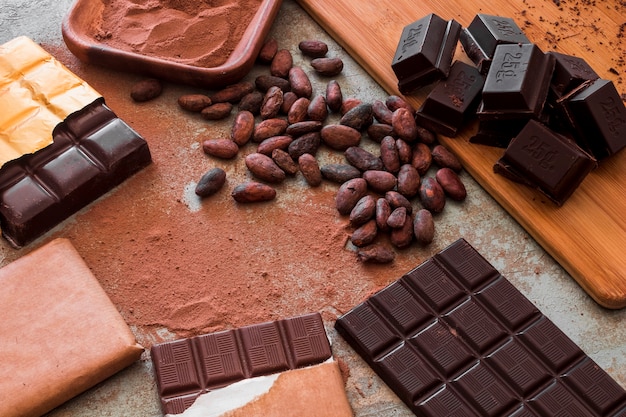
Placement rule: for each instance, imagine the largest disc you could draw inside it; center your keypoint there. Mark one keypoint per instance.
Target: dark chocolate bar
(187, 368)
(453, 337)
(517, 82)
(597, 114)
(484, 34)
(448, 105)
(424, 53)
(555, 164)
(93, 151)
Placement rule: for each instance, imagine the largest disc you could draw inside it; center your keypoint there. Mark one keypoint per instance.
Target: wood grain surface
(587, 235)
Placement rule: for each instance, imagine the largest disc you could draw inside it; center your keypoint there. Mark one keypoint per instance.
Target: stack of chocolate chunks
(551, 112)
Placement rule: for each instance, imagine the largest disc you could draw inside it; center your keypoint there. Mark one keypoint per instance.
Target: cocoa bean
(327, 67)
(288, 99)
(217, 111)
(394, 102)
(340, 137)
(334, 96)
(300, 82)
(268, 51)
(395, 200)
(339, 173)
(264, 82)
(284, 161)
(363, 211)
(268, 128)
(310, 169)
(275, 142)
(252, 102)
(363, 159)
(383, 211)
(253, 192)
(304, 127)
(242, 128)
(317, 110)
(308, 143)
(382, 112)
(405, 153)
(424, 227)
(281, 63)
(397, 218)
(402, 237)
(264, 168)
(404, 126)
(426, 136)
(365, 234)
(194, 102)
(146, 89)
(377, 131)
(432, 195)
(422, 158)
(272, 103)
(349, 193)
(313, 48)
(211, 182)
(380, 181)
(408, 181)
(348, 104)
(220, 148)
(451, 183)
(299, 110)
(375, 254)
(232, 93)
(359, 117)
(389, 154)
(445, 158)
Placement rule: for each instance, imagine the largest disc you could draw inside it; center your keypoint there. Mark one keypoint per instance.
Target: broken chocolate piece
(424, 53)
(569, 72)
(455, 337)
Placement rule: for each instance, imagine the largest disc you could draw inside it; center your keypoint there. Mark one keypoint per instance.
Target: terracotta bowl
(77, 30)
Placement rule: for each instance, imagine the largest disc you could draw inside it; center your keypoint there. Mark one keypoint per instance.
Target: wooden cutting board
(587, 235)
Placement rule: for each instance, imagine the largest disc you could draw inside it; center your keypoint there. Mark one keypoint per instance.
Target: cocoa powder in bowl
(200, 33)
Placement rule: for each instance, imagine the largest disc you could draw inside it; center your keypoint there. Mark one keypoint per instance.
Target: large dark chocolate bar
(453, 99)
(424, 53)
(485, 33)
(453, 337)
(93, 151)
(190, 367)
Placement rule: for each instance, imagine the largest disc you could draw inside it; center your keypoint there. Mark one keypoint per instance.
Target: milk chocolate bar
(453, 337)
(92, 152)
(451, 101)
(484, 34)
(187, 368)
(424, 53)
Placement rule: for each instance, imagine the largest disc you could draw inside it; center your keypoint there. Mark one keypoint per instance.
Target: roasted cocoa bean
(422, 158)
(397, 218)
(377, 131)
(363, 211)
(451, 183)
(299, 110)
(375, 253)
(253, 192)
(404, 126)
(220, 148)
(268, 51)
(281, 63)
(264, 168)
(275, 142)
(408, 181)
(334, 96)
(300, 82)
(327, 67)
(359, 117)
(217, 111)
(308, 143)
(348, 104)
(389, 154)
(268, 128)
(395, 200)
(252, 102)
(211, 182)
(424, 227)
(317, 110)
(288, 99)
(232, 93)
(349, 193)
(402, 237)
(339, 173)
(432, 195)
(304, 127)
(194, 102)
(405, 153)
(382, 112)
(394, 102)
(380, 181)
(313, 48)
(284, 161)
(242, 128)
(445, 158)
(272, 103)
(146, 89)
(363, 159)
(310, 169)
(426, 136)
(365, 234)
(264, 82)
(383, 211)
(340, 137)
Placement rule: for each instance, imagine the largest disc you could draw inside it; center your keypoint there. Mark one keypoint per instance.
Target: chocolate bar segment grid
(190, 367)
(453, 337)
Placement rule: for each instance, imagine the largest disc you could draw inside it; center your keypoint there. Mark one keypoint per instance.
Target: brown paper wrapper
(61, 334)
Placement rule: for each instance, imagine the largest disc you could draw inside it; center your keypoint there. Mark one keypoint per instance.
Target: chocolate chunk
(455, 337)
(484, 34)
(553, 163)
(598, 117)
(424, 53)
(517, 82)
(93, 151)
(447, 106)
(187, 368)
(569, 72)
(498, 132)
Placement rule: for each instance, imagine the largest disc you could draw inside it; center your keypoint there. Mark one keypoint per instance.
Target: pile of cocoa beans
(280, 113)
